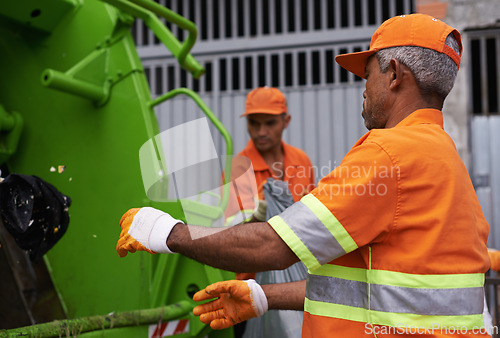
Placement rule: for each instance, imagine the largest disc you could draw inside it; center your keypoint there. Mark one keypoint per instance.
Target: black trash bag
(278, 197)
(34, 212)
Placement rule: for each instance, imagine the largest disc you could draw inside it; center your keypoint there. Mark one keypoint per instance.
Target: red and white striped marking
(169, 328)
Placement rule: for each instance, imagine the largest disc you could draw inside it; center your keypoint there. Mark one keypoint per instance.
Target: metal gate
(289, 44)
(485, 123)
(486, 169)
(326, 121)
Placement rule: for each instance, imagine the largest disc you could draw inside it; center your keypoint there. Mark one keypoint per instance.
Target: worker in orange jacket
(267, 117)
(394, 237)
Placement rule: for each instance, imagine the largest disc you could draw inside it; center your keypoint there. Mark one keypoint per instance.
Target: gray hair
(434, 72)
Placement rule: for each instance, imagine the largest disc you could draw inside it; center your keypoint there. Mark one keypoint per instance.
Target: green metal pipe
(146, 11)
(177, 19)
(60, 328)
(170, 41)
(57, 80)
(225, 134)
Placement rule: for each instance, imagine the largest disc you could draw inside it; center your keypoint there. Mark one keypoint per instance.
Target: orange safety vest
(394, 239)
(297, 171)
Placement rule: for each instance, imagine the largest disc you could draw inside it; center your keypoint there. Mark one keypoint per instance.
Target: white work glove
(145, 229)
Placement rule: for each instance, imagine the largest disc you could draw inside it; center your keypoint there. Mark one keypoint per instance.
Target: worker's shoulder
(295, 154)
(408, 144)
(423, 137)
(249, 152)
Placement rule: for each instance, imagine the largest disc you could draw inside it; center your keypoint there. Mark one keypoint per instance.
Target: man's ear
(287, 119)
(396, 70)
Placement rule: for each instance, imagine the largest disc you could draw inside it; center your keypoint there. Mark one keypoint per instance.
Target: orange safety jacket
(297, 171)
(394, 239)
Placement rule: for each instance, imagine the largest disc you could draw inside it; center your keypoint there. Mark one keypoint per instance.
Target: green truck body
(75, 110)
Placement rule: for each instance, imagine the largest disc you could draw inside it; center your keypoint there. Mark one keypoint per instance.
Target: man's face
(375, 96)
(265, 130)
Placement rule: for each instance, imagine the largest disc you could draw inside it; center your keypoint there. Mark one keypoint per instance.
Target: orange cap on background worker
(404, 30)
(265, 100)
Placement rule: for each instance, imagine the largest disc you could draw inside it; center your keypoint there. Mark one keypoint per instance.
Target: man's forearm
(285, 296)
(249, 247)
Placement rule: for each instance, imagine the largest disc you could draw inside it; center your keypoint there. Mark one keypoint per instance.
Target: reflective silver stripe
(312, 232)
(431, 302)
(337, 291)
(396, 299)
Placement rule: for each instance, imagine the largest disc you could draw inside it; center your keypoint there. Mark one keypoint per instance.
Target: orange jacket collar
(258, 162)
(423, 116)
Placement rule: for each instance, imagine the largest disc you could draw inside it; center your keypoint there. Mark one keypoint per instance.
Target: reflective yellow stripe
(330, 222)
(293, 241)
(401, 320)
(312, 232)
(336, 310)
(330, 270)
(413, 320)
(396, 299)
(408, 280)
(319, 232)
(401, 279)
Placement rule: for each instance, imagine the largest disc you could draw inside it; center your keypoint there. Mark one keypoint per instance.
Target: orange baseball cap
(265, 100)
(405, 30)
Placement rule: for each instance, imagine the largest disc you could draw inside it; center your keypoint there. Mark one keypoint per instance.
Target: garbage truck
(75, 112)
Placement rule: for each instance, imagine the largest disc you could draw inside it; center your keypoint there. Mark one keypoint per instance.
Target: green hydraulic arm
(148, 11)
(144, 10)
